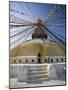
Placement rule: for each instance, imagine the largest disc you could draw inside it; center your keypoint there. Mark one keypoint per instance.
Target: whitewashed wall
(55, 70)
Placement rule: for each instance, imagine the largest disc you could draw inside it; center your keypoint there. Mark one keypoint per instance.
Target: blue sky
(38, 10)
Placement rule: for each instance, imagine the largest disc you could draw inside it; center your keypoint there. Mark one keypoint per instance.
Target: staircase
(37, 73)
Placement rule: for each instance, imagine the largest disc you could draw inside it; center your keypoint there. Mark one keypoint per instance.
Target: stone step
(37, 80)
(38, 75)
(37, 69)
(41, 78)
(38, 72)
(38, 66)
(33, 73)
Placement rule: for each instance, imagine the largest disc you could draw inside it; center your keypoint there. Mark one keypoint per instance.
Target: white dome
(33, 47)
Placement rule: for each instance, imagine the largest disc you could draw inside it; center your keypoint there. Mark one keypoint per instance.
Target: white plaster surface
(22, 74)
(15, 84)
(56, 75)
(56, 71)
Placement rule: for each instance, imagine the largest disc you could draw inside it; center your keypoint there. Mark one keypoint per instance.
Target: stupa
(39, 52)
